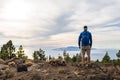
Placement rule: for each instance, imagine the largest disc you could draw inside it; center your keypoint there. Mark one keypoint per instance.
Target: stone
(21, 68)
(12, 64)
(72, 77)
(2, 61)
(64, 71)
(37, 77)
(57, 63)
(3, 67)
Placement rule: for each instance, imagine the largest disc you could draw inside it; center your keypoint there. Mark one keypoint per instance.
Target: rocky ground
(46, 71)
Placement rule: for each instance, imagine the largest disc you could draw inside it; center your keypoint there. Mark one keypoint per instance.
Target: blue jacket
(85, 38)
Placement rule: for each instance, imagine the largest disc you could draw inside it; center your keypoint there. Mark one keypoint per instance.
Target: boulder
(21, 67)
(2, 61)
(29, 63)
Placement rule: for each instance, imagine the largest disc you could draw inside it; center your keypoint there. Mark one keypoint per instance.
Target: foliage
(97, 61)
(76, 58)
(7, 50)
(64, 53)
(116, 62)
(50, 57)
(60, 58)
(67, 58)
(39, 55)
(20, 53)
(106, 58)
(118, 54)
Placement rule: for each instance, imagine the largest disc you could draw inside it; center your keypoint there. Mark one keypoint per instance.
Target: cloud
(58, 22)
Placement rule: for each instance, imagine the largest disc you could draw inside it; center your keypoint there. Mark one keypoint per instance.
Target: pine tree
(97, 61)
(60, 58)
(78, 57)
(64, 53)
(74, 58)
(10, 48)
(50, 57)
(67, 58)
(118, 54)
(35, 56)
(7, 50)
(20, 53)
(106, 58)
(39, 55)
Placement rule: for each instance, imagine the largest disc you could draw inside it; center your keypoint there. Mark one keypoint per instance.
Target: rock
(90, 77)
(12, 64)
(64, 71)
(107, 64)
(1, 72)
(72, 77)
(100, 76)
(36, 76)
(116, 77)
(57, 63)
(15, 60)
(33, 67)
(81, 77)
(3, 77)
(21, 78)
(21, 68)
(41, 65)
(28, 63)
(8, 73)
(2, 61)
(44, 71)
(5, 74)
(3, 67)
(19, 61)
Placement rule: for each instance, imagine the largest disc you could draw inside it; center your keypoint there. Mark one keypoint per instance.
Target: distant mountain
(69, 48)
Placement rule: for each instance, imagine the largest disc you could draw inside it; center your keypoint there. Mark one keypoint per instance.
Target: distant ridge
(69, 48)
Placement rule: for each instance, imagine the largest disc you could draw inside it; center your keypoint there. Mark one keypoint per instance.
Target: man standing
(85, 43)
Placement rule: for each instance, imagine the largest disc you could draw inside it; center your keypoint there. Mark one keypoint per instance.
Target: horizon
(52, 24)
(96, 53)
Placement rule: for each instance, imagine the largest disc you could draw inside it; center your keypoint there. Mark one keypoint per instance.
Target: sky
(58, 23)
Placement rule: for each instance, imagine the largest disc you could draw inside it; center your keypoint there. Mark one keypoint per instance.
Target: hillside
(46, 71)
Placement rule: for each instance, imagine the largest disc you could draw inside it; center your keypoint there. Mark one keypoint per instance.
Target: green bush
(106, 58)
(7, 50)
(39, 55)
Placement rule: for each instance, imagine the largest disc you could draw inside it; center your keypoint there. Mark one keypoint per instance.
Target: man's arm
(90, 40)
(79, 40)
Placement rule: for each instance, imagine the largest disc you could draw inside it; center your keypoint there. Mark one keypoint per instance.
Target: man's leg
(83, 55)
(88, 54)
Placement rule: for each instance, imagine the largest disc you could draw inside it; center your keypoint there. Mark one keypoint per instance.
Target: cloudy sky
(58, 23)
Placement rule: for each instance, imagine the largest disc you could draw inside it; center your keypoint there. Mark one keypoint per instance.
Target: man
(85, 43)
